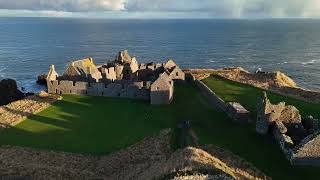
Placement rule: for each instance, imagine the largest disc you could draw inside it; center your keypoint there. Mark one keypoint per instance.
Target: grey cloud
(63, 5)
(217, 8)
(231, 8)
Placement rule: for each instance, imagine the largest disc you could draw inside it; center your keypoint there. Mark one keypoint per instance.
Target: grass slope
(263, 152)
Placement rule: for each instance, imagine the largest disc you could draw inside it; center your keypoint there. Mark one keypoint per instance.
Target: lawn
(263, 152)
(100, 125)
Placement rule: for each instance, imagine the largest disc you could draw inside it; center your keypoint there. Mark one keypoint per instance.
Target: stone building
(299, 138)
(161, 91)
(122, 77)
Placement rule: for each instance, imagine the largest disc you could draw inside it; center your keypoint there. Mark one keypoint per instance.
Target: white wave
(281, 63)
(313, 61)
(212, 61)
(2, 69)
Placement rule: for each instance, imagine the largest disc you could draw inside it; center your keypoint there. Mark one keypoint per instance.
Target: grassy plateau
(101, 125)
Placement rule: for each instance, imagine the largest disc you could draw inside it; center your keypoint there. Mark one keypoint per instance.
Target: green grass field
(100, 125)
(97, 125)
(263, 152)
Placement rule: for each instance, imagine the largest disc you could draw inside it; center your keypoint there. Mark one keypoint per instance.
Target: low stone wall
(234, 110)
(214, 99)
(17, 111)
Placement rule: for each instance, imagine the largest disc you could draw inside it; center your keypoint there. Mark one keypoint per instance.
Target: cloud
(63, 5)
(232, 8)
(211, 8)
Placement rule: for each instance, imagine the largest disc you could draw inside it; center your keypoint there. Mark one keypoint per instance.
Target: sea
(28, 46)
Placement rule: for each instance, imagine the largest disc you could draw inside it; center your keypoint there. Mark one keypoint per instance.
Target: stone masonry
(299, 138)
(268, 113)
(17, 111)
(123, 77)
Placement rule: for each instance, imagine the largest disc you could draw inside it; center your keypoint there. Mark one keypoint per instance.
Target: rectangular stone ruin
(299, 138)
(238, 112)
(122, 77)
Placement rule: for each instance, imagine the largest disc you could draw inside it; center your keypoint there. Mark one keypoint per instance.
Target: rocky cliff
(9, 91)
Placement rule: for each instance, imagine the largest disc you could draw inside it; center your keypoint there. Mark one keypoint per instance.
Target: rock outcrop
(42, 79)
(9, 91)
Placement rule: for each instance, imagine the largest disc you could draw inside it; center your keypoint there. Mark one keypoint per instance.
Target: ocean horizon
(28, 46)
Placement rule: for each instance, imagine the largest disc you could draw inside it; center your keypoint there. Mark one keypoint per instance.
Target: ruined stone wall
(136, 90)
(236, 114)
(17, 111)
(177, 74)
(215, 99)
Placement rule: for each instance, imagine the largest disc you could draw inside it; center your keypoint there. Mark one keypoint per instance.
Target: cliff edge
(277, 81)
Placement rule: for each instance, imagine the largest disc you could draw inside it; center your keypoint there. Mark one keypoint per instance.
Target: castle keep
(122, 77)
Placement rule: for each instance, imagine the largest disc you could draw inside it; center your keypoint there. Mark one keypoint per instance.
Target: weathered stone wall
(177, 74)
(215, 99)
(136, 90)
(17, 111)
(234, 110)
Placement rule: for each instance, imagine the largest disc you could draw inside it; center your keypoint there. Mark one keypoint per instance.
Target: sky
(162, 8)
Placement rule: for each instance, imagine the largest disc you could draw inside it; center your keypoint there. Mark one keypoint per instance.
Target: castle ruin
(122, 77)
(299, 138)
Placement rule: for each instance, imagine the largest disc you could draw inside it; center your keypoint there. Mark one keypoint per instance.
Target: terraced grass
(262, 151)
